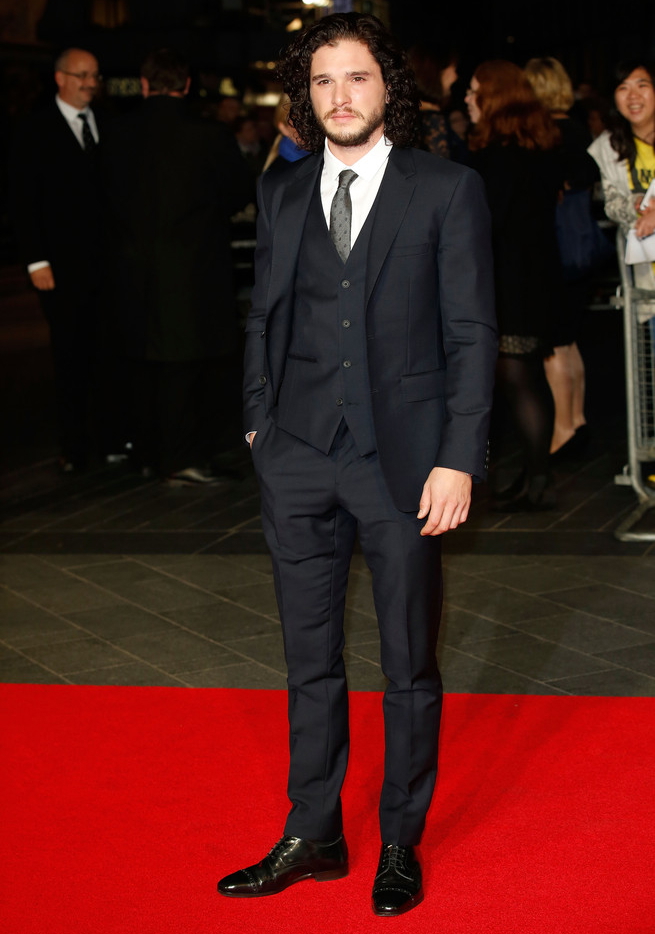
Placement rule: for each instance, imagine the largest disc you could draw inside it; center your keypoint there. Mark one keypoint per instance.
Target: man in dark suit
(57, 219)
(174, 181)
(369, 366)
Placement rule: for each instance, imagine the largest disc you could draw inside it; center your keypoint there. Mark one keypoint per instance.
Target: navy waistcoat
(326, 372)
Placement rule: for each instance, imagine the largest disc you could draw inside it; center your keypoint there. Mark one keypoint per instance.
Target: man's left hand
(445, 500)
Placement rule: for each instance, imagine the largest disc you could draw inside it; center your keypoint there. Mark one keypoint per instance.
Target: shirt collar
(366, 167)
(71, 113)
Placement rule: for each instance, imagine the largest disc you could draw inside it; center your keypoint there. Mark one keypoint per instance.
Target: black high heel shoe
(574, 447)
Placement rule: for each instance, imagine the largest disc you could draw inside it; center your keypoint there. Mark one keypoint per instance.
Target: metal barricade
(639, 328)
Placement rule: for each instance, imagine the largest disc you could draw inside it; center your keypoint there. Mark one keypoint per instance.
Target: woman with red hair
(513, 148)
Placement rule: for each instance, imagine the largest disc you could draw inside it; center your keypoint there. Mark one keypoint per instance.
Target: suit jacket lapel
(64, 131)
(395, 194)
(289, 208)
(288, 212)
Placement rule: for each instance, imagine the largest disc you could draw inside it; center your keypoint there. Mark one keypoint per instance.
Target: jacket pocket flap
(418, 386)
(409, 249)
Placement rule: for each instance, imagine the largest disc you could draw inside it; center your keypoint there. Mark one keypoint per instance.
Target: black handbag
(582, 244)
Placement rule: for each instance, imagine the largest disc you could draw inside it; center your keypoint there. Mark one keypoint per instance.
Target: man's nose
(340, 93)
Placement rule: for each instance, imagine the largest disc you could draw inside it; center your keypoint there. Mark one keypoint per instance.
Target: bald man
(56, 213)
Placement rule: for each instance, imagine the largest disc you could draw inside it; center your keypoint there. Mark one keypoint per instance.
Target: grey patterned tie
(341, 213)
(87, 136)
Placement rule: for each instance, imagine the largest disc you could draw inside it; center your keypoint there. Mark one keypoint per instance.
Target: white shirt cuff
(40, 265)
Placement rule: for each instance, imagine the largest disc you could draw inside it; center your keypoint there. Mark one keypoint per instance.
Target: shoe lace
(393, 857)
(281, 844)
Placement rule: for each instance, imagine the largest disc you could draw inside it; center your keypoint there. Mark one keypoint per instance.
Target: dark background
(229, 36)
(238, 41)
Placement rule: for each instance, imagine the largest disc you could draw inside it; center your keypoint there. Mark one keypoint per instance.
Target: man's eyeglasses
(82, 75)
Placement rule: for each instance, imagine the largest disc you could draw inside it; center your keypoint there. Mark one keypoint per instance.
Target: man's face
(348, 94)
(78, 80)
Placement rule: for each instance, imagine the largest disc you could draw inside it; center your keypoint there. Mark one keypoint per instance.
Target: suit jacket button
(263, 334)
(262, 380)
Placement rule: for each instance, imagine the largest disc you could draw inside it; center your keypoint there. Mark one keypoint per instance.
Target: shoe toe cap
(238, 884)
(395, 901)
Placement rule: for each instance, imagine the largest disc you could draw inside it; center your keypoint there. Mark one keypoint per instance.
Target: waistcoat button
(345, 284)
(345, 323)
(347, 363)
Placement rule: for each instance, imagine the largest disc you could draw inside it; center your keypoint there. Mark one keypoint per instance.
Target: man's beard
(352, 137)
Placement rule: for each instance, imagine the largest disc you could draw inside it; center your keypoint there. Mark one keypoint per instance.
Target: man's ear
(145, 87)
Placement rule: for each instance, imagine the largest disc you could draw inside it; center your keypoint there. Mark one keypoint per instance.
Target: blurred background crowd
(134, 224)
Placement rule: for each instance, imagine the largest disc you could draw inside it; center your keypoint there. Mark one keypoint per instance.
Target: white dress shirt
(370, 171)
(72, 117)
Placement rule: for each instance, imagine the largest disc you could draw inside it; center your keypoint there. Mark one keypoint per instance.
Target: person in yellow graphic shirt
(626, 157)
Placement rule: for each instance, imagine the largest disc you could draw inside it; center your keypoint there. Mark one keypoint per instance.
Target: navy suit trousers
(313, 506)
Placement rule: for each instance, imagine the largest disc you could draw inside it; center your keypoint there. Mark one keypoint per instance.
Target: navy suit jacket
(56, 199)
(430, 323)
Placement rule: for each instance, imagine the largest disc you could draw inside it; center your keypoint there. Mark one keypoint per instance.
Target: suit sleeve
(469, 327)
(26, 195)
(255, 369)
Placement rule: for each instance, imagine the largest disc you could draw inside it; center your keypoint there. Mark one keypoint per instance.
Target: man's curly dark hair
(293, 71)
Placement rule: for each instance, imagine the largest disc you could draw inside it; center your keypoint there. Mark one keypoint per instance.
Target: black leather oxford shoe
(397, 887)
(291, 860)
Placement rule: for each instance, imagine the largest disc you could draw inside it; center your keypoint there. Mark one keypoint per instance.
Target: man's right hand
(43, 279)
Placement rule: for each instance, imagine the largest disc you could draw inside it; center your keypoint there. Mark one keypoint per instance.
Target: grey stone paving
(106, 578)
(512, 624)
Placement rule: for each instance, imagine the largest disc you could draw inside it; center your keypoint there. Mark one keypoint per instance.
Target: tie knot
(82, 117)
(346, 178)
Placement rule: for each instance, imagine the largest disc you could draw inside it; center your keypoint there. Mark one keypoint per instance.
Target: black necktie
(88, 142)
(341, 213)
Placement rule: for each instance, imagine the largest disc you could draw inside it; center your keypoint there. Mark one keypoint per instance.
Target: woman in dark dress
(513, 148)
(565, 368)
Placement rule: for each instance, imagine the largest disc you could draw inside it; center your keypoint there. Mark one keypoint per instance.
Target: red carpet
(123, 806)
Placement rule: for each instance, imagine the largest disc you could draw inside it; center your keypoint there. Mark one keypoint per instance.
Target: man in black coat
(173, 182)
(370, 353)
(56, 208)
